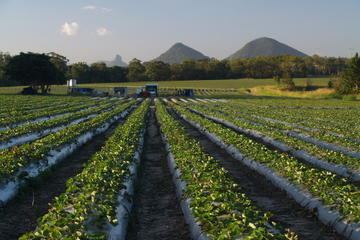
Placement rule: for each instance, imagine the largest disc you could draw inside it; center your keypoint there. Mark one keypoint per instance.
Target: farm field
(75, 167)
(242, 83)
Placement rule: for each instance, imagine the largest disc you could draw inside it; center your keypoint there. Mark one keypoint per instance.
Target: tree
(157, 71)
(350, 83)
(59, 61)
(79, 71)
(4, 59)
(136, 71)
(288, 81)
(35, 70)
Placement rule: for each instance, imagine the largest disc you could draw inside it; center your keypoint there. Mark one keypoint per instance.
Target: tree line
(257, 67)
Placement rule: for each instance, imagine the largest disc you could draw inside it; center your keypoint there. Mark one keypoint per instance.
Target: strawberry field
(173, 168)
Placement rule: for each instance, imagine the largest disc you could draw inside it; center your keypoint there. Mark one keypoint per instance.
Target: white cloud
(92, 7)
(106, 9)
(70, 29)
(89, 7)
(102, 31)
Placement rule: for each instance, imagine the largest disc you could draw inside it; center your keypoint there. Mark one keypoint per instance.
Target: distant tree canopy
(349, 80)
(206, 68)
(136, 71)
(4, 80)
(157, 71)
(35, 70)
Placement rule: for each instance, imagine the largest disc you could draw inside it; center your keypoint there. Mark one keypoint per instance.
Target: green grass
(243, 83)
(222, 83)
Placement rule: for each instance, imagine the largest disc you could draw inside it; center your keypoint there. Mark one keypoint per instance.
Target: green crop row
(217, 202)
(333, 191)
(18, 103)
(70, 107)
(11, 160)
(322, 129)
(51, 123)
(90, 200)
(271, 130)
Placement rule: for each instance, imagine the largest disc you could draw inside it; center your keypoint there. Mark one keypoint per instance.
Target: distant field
(242, 83)
(222, 83)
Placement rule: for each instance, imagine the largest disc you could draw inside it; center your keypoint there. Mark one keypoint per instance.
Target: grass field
(242, 83)
(222, 83)
(259, 87)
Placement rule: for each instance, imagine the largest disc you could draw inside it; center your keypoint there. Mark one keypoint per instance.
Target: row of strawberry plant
(88, 208)
(15, 109)
(270, 130)
(14, 121)
(13, 160)
(331, 141)
(341, 135)
(15, 103)
(337, 193)
(7, 135)
(298, 103)
(217, 202)
(345, 117)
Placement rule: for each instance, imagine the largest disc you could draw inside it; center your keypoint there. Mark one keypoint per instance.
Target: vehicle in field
(152, 89)
(84, 91)
(120, 91)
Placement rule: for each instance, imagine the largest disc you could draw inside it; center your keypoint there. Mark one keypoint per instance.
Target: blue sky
(92, 30)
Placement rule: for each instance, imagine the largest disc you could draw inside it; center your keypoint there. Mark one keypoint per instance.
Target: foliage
(157, 71)
(350, 81)
(91, 197)
(35, 70)
(4, 59)
(136, 71)
(332, 190)
(287, 81)
(11, 160)
(96, 73)
(217, 202)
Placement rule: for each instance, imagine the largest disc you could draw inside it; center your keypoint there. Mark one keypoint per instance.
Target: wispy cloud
(70, 29)
(106, 9)
(89, 7)
(102, 31)
(92, 7)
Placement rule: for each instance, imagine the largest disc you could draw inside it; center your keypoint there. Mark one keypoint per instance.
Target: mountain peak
(116, 62)
(178, 53)
(265, 46)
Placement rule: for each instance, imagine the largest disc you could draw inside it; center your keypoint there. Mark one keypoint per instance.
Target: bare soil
(265, 195)
(156, 213)
(20, 215)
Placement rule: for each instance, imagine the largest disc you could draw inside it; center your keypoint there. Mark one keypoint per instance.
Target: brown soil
(157, 213)
(20, 215)
(266, 196)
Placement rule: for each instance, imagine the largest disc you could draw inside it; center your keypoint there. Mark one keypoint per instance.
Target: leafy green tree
(287, 81)
(277, 79)
(157, 71)
(59, 61)
(350, 83)
(79, 71)
(35, 70)
(136, 71)
(217, 69)
(4, 59)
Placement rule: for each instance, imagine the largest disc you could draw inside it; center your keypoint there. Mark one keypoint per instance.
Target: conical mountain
(178, 53)
(265, 47)
(116, 62)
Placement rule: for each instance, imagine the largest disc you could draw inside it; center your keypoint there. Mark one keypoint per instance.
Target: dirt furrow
(157, 213)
